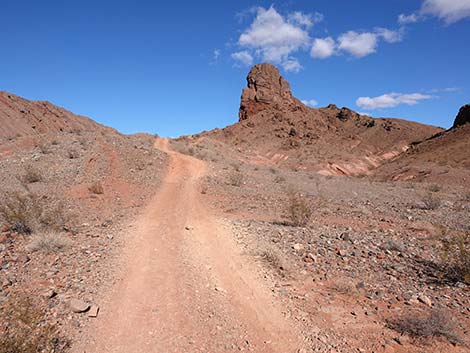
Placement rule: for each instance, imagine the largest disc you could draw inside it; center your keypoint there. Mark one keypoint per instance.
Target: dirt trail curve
(184, 285)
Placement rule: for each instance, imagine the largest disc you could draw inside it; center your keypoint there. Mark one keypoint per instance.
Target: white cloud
(390, 100)
(306, 20)
(390, 36)
(323, 48)
(274, 39)
(310, 102)
(292, 64)
(406, 19)
(361, 44)
(243, 57)
(216, 54)
(358, 44)
(449, 11)
(446, 90)
(270, 30)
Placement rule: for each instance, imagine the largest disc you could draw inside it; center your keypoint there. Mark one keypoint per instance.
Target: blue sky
(176, 68)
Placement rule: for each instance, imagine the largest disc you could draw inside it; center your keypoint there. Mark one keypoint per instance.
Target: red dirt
(184, 284)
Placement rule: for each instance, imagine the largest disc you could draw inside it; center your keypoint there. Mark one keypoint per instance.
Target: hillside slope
(444, 157)
(21, 117)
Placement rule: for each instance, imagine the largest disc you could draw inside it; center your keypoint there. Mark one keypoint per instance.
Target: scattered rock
(50, 293)
(93, 312)
(425, 300)
(78, 306)
(219, 289)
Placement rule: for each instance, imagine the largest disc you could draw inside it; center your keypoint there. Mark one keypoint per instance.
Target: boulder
(78, 306)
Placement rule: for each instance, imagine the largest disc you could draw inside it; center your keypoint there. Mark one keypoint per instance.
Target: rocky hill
(22, 117)
(444, 157)
(276, 128)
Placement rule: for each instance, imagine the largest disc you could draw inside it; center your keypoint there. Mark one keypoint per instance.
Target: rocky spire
(463, 117)
(266, 88)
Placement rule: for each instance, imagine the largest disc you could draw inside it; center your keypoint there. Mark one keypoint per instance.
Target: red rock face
(266, 88)
(276, 127)
(463, 117)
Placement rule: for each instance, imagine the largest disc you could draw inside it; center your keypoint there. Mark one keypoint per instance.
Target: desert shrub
(434, 188)
(181, 147)
(236, 167)
(43, 147)
(436, 323)
(272, 257)
(19, 211)
(298, 209)
(236, 179)
(24, 329)
(27, 213)
(345, 286)
(431, 202)
(73, 154)
(456, 255)
(96, 188)
(31, 175)
(49, 241)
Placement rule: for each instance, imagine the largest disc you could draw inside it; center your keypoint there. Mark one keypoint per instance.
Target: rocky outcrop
(463, 117)
(275, 127)
(266, 89)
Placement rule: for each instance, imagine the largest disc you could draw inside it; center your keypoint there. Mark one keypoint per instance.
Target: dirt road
(184, 284)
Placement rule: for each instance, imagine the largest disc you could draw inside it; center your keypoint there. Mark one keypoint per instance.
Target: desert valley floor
(293, 230)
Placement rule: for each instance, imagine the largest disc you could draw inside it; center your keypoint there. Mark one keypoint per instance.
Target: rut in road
(184, 285)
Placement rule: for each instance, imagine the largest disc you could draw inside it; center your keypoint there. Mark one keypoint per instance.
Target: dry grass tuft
(48, 242)
(431, 202)
(23, 328)
(96, 188)
(274, 258)
(298, 209)
(236, 178)
(456, 254)
(436, 323)
(44, 147)
(73, 154)
(345, 286)
(434, 188)
(27, 213)
(31, 175)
